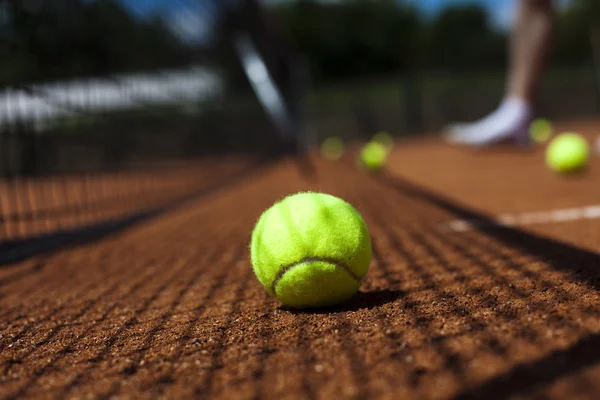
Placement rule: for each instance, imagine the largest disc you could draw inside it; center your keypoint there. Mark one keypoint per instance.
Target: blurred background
(114, 106)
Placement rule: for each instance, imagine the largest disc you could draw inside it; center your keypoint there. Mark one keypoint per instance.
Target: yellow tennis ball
(311, 250)
(385, 139)
(567, 152)
(332, 148)
(373, 156)
(540, 130)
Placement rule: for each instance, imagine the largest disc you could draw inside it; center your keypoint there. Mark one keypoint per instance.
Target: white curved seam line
(285, 269)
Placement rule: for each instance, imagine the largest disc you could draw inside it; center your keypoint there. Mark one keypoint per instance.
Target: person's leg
(530, 40)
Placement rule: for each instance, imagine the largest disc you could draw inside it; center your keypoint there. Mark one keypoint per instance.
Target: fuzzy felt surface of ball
(311, 250)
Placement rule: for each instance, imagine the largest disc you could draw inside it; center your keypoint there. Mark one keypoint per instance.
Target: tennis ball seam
(308, 260)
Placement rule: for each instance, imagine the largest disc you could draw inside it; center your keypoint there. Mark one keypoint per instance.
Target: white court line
(528, 218)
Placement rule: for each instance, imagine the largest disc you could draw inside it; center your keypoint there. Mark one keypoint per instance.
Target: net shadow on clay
(552, 321)
(139, 355)
(527, 377)
(559, 256)
(19, 249)
(559, 294)
(57, 329)
(424, 321)
(20, 274)
(138, 191)
(205, 388)
(307, 354)
(386, 223)
(109, 343)
(485, 300)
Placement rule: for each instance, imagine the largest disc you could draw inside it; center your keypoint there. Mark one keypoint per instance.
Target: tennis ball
(311, 250)
(567, 152)
(373, 156)
(385, 139)
(332, 148)
(540, 130)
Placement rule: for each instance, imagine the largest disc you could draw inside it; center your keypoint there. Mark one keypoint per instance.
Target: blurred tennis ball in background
(373, 156)
(384, 139)
(332, 148)
(567, 152)
(540, 130)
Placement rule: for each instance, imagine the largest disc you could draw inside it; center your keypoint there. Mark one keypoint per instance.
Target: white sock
(510, 121)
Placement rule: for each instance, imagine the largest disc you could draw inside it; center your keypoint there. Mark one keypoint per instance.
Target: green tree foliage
(462, 37)
(357, 37)
(573, 32)
(78, 38)
(53, 39)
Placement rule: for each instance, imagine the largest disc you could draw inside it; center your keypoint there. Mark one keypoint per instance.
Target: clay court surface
(170, 308)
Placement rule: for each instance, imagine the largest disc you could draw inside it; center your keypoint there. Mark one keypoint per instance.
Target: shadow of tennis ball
(333, 148)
